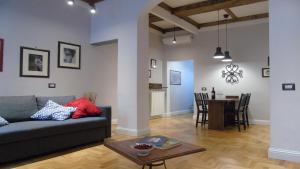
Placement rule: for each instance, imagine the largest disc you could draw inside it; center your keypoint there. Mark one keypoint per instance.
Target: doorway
(180, 83)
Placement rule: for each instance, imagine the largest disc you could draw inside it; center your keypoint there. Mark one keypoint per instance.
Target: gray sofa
(24, 138)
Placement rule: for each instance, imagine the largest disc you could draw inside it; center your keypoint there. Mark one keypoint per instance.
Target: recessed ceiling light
(70, 2)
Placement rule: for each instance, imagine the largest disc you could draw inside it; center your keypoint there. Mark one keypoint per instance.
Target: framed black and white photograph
(1, 54)
(69, 55)
(175, 77)
(34, 62)
(265, 72)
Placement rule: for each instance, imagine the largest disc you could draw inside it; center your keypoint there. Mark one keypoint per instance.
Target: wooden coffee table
(157, 157)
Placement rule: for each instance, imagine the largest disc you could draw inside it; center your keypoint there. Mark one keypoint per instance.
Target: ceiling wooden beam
(210, 5)
(229, 12)
(171, 10)
(239, 19)
(166, 7)
(156, 28)
(222, 22)
(173, 19)
(154, 18)
(172, 29)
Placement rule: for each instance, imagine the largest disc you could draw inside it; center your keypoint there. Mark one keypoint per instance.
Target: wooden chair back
(242, 103)
(248, 99)
(198, 100)
(205, 101)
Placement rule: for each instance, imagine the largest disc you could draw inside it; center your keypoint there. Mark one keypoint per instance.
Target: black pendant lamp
(219, 54)
(174, 37)
(227, 57)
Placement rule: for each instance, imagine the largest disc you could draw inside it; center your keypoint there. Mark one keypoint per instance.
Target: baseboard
(174, 113)
(254, 121)
(133, 132)
(260, 122)
(114, 121)
(283, 154)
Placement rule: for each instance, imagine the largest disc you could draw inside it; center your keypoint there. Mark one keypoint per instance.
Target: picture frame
(175, 77)
(265, 72)
(69, 55)
(149, 74)
(34, 62)
(1, 54)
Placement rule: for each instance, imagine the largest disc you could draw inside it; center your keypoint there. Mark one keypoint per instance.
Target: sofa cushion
(19, 131)
(53, 111)
(62, 100)
(3, 122)
(17, 108)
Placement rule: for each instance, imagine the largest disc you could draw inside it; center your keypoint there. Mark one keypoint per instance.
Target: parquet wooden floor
(225, 150)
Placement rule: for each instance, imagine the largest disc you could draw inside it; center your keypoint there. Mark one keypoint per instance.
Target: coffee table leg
(153, 165)
(165, 164)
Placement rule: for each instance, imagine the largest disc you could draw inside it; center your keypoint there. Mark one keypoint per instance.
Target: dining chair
(241, 111)
(198, 100)
(204, 107)
(247, 108)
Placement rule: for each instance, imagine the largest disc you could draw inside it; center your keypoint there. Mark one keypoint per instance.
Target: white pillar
(127, 22)
(284, 56)
(133, 90)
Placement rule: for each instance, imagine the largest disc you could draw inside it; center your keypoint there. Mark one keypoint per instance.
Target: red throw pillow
(84, 108)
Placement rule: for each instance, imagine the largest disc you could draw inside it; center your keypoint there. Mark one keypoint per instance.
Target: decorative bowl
(143, 149)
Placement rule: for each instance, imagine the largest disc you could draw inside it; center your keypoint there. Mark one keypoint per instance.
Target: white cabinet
(158, 105)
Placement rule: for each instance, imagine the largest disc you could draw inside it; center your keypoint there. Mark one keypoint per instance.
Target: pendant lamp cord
(226, 34)
(218, 28)
(174, 33)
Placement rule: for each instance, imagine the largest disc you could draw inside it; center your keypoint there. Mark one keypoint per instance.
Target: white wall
(249, 48)
(128, 22)
(104, 76)
(181, 96)
(284, 53)
(35, 23)
(105, 72)
(156, 51)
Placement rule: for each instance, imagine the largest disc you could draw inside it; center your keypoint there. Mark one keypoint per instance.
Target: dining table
(216, 112)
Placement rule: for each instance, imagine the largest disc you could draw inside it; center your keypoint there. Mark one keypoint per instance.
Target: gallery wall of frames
(35, 62)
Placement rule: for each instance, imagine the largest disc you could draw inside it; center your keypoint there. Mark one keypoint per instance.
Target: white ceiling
(252, 9)
(163, 24)
(177, 3)
(209, 16)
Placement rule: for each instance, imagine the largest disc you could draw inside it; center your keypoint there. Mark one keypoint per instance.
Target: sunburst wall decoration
(232, 74)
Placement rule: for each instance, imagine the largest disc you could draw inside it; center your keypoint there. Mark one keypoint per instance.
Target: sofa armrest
(106, 112)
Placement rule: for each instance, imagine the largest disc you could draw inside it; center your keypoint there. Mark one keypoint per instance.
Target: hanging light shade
(218, 54)
(174, 37)
(227, 57)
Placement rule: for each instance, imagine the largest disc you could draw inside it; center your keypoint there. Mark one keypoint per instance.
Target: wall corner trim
(133, 132)
(284, 154)
(260, 122)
